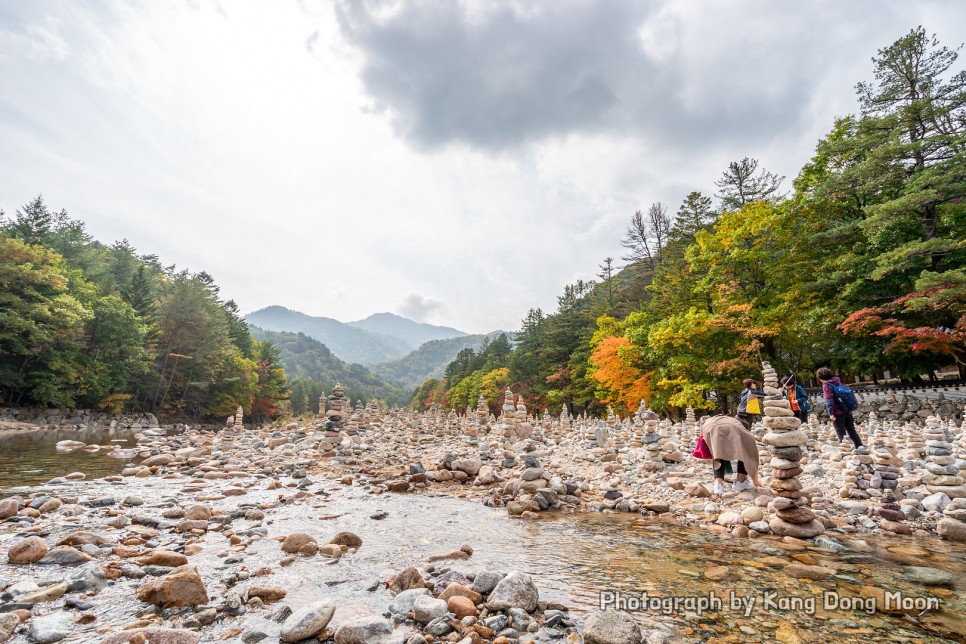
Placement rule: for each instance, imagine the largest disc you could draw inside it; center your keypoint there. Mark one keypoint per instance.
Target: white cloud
(259, 142)
(420, 307)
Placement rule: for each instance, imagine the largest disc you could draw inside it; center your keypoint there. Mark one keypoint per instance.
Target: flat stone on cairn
(793, 517)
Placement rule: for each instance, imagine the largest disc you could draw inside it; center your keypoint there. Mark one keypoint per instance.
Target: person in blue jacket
(798, 397)
(749, 394)
(841, 418)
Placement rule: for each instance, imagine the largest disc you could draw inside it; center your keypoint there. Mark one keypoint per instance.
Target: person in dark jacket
(749, 395)
(841, 419)
(798, 398)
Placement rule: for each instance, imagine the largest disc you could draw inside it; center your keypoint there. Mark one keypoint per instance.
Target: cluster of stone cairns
(792, 514)
(628, 464)
(912, 406)
(237, 421)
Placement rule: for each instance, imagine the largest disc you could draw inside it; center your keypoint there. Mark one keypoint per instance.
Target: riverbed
(690, 583)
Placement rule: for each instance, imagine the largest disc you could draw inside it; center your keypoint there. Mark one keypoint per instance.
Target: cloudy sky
(457, 162)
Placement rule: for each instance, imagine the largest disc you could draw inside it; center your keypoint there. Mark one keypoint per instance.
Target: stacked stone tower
(793, 516)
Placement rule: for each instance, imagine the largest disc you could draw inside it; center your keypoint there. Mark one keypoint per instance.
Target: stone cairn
(565, 421)
(239, 418)
(885, 478)
(942, 475)
(322, 400)
(338, 410)
(793, 516)
(689, 418)
(915, 446)
(953, 524)
(652, 443)
(858, 475)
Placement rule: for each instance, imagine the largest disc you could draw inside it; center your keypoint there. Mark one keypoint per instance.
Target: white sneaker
(718, 488)
(743, 485)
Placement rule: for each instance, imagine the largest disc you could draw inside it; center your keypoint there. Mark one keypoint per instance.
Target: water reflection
(29, 457)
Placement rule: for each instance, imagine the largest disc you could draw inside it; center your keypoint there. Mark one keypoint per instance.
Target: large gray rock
(516, 590)
(404, 601)
(426, 609)
(931, 576)
(952, 529)
(363, 630)
(486, 580)
(64, 556)
(935, 502)
(51, 628)
(307, 621)
(611, 627)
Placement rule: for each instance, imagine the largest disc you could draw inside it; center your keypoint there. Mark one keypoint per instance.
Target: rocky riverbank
(180, 558)
(226, 535)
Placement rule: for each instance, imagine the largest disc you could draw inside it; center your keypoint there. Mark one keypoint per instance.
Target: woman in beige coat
(728, 441)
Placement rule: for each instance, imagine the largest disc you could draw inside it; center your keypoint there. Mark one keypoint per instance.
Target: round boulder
(611, 627)
(516, 590)
(28, 551)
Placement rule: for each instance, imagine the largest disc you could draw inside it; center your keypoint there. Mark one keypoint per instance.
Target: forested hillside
(859, 264)
(89, 325)
(311, 369)
(430, 360)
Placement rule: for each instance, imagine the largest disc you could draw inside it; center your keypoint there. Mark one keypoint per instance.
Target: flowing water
(667, 575)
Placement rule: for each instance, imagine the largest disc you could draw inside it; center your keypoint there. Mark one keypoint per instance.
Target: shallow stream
(576, 559)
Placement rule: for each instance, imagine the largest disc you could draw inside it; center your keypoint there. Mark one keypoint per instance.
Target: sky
(454, 161)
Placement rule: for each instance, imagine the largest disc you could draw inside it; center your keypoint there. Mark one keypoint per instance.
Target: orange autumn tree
(612, 361)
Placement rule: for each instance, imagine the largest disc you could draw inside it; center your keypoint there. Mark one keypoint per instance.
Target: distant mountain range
(415, 334)
(395, 350)
(378, 338)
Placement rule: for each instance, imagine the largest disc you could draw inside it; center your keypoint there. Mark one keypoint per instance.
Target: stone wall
(78, 418)
(908, 405)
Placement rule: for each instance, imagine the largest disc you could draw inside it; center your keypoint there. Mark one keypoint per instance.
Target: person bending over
(729, 440)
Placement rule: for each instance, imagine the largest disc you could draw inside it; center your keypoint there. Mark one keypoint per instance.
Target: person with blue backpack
(840, 403)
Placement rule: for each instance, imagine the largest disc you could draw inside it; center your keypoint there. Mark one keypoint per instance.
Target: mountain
(414, 333)
(429, 360)
(308, 359)
(349, 343)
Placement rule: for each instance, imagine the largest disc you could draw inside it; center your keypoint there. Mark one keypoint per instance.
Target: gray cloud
(498, 75)
(500, 78)
(418, 307)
